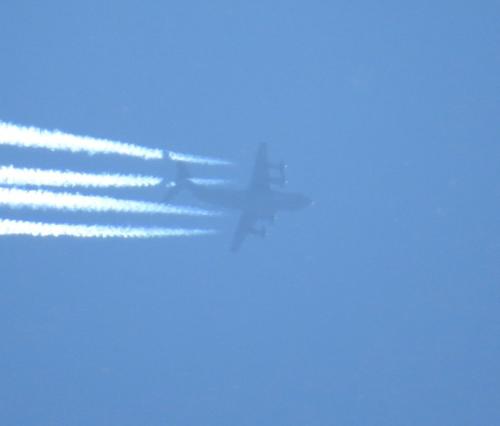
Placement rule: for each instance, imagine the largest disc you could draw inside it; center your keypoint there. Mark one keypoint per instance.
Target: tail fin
(181, 181)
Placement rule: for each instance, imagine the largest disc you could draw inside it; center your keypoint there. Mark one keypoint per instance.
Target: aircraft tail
(181, 181)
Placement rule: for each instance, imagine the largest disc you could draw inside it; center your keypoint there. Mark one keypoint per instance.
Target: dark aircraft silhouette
(258, 202)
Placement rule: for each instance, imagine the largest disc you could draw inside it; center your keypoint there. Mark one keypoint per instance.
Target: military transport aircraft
(258, 202)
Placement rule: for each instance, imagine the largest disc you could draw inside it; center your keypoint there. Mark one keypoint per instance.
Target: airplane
(258, 202)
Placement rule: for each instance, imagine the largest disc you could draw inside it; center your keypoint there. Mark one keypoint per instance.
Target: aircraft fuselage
(262, 203)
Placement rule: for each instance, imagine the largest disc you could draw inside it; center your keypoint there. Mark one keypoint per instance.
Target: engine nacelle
(280, 181)
(259, 232)
(280, 167)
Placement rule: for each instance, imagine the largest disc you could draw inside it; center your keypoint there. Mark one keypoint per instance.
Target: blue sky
(379, 305)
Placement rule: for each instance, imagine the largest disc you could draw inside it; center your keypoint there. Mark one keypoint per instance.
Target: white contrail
(209, 182)
(32, 137)
(10, 175)
(206, 161)
(36, 229)
(38, 199)
(201, 182)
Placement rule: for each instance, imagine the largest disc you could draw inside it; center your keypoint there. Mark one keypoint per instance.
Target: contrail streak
(188, 158)
(209, 182)
(201, 182)
(36, 229)
(10, 175)
(38, 199)
(32, 137)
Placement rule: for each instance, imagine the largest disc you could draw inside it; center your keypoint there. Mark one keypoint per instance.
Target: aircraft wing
(261, 178)
(245, 226)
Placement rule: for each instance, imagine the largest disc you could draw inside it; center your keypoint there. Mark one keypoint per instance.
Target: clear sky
(380, 305)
